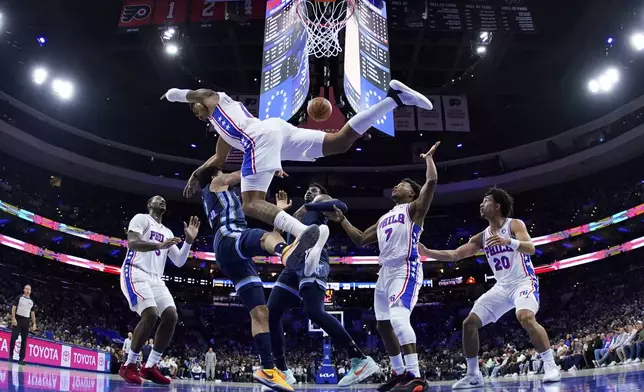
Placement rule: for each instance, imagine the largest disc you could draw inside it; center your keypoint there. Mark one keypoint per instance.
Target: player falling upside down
(266, 143)
(149, 245)
(401, 274)
(292, 285)
(508, 247)
(235, 246)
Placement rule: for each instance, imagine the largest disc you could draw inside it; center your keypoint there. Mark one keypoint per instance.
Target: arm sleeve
(179, 256)
(327, 206)
(139, 224)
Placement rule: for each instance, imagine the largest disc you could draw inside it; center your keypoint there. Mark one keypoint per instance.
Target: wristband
(177, 95)
(514, 244)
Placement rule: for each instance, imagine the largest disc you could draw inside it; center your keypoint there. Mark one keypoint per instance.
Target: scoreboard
(367, 69)
(285, 65)
(459, 15)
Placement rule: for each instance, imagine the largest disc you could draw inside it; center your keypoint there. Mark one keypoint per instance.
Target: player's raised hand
(337, 215)
(431, 151)
(192, 229)
(496, 240)
(191, 186)
(169, 242)
(282, 202)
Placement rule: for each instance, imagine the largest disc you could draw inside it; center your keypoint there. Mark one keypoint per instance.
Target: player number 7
(388, 233)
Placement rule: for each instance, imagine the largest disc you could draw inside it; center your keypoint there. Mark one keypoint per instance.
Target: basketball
(319, 109)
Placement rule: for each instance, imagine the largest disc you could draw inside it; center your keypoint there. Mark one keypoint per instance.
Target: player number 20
(502, 263)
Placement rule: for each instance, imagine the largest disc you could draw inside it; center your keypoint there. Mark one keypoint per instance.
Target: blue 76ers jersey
(508, 265)
(398, 237)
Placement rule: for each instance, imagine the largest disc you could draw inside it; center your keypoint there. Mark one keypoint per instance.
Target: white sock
(411, 364)
(548, 356)
(473, 365)
(397, 364)
(132, 357)
(287, 223)
(364, 120)
(153, 359)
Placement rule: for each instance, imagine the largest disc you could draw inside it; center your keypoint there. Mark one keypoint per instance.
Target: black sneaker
(395, 380)
(413, 385)
(21, 362)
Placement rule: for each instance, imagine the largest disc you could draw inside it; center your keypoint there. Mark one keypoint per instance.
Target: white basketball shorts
(143, 290)
(397, 286)
(503, 297)
(273, 141)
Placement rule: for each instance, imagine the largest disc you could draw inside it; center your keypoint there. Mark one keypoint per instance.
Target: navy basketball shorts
(235, 254)
(293, 279)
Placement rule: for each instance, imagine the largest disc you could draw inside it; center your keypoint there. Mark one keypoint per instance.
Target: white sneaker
(469, 381)
(313, 256)
(612, 364)
(573, 369)
(411, 97)
(361, 368)
(604, 365)
(628, 361)
(551, 373)
(637, 360)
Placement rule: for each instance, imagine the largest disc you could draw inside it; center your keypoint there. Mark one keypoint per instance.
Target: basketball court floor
(29, 378)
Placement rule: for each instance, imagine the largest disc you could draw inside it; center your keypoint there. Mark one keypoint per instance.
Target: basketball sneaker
(153, 374)
(273, 379)
(413, 385)
(130, 374)
(287, 375)
(361, 368)
(404, 95)
(395, 380)
(469, 381)
(313, 255)
(551, 372)
(294, 253)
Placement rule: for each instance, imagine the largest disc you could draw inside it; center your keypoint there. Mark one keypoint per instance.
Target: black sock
(279, 248)
(313, 298)
(263, 342)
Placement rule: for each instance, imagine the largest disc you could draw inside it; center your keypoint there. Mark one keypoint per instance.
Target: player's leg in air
(234, 257)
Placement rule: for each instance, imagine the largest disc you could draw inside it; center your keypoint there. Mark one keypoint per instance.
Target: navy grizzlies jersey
(224, 212)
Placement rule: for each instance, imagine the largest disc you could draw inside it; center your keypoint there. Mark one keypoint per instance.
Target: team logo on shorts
(502, 231)
(392, 299)
(524, 293)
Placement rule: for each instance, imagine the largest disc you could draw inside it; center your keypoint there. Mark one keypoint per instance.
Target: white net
(323, 20)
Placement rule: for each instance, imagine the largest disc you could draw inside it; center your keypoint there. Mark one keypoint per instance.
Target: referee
(22, 310)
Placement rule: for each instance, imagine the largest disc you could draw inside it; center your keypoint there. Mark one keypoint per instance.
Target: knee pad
(400, 321)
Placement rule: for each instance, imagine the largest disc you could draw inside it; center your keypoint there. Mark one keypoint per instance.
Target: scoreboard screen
(460, 15)
(285, 65)
(367, 70)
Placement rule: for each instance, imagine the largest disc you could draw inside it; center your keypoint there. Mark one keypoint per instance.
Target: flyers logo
(138, 12)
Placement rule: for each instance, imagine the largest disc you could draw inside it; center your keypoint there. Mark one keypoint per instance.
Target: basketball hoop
(323, 20)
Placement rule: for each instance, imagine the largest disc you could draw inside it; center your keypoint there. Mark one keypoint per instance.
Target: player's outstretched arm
(221, 154)
(324, 203)
(358, 237)
(138, 244)
(462, 252)
(420, 206)
(204, 96)
(179, 256)
(522, 241)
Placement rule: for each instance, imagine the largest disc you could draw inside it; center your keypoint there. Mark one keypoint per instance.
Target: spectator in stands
(147, 349)
(636, 349)
(622, 354)
(609, 359)
(164, 366)
(127, 343)
(606, 340)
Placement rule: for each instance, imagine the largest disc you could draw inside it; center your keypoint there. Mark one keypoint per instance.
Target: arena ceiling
(529, 86)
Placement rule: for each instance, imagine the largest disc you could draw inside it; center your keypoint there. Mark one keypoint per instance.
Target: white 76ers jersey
(230, 119)
(398, 237)
(508, 265)
(152, 262)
